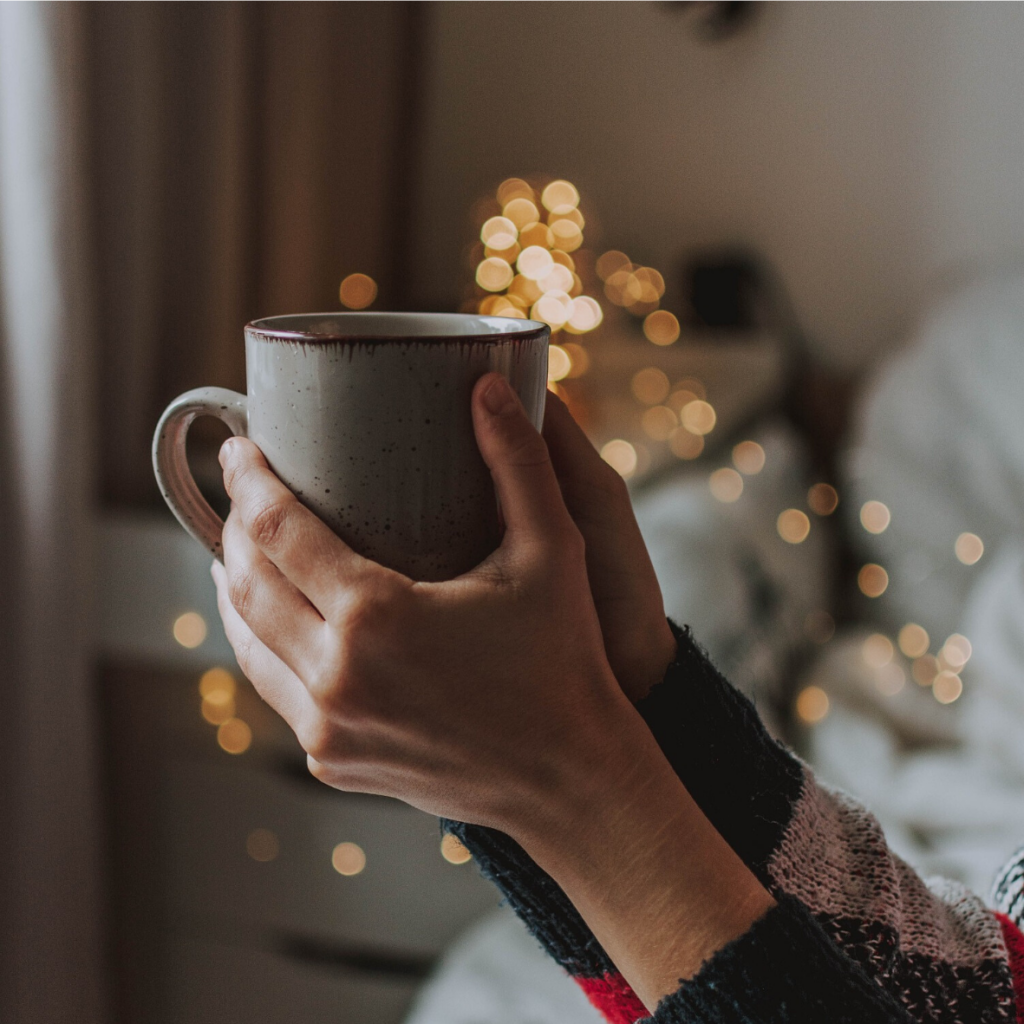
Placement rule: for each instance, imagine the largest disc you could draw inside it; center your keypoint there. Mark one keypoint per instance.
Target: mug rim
(273, 328)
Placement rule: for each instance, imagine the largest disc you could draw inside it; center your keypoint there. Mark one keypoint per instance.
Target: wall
(863, 148)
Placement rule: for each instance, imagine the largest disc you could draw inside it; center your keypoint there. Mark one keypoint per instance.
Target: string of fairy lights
(530, 260)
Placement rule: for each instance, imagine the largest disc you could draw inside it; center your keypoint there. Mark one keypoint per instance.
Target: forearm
(657, 885)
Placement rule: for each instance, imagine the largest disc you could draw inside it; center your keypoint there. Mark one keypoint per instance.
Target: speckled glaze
(366, 418)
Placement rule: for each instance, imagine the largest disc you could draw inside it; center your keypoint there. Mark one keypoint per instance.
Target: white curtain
(51, 925)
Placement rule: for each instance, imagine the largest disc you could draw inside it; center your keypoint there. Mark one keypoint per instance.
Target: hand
(637, 639)
(485, 698)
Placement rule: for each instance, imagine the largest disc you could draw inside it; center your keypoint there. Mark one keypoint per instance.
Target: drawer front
(407, 898)
(216, 984)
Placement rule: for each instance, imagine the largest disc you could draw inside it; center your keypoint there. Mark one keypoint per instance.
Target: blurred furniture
(204, 931)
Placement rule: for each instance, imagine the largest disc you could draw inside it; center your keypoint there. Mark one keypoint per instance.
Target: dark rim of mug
(264, 329)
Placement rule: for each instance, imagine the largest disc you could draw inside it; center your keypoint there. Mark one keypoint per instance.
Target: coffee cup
(366, 418)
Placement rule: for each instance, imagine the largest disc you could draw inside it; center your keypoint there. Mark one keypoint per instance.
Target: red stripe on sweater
(614, 998)
(1014, 939)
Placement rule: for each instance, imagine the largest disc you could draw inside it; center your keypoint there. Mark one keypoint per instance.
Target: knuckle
(242, 591)
(316, 738)
(527, 450)
(268, 523)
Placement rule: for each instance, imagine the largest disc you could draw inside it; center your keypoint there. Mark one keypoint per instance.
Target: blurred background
(779, 246)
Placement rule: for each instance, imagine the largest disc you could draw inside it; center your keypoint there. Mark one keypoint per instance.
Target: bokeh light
(924, 670)
(262, 845)
(586, 315)
(217, 685)
(969, 548)
(914, 640)
(453, 851)
(611, 262)
(812, 705)
(877, 650)
(650, 385)
(499, 233)
(698, 417)
(726, 485)
(234, 736)
(890, 679)
(521, 211)
(493, 274)
(514, 188)
(661, 327)
(793, 526)
(189, 630)
(822, 499)
(348, 859)
(559, 362)
(621, 456)
(874, 516)
(534, 262)
(748, 458)
(217, 712)
(956, 652)
(579, 356)
(560, 197)
(658, 422)
(685, 445)
(872, 580)
(947, 687)
(357, 291)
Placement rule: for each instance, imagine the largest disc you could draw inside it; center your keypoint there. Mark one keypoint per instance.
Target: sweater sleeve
(931, 952)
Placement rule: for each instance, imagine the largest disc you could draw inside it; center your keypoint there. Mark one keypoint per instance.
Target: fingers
(517, 457)
(304, 549)
(274, 681)
(593, 492)
(278, 614)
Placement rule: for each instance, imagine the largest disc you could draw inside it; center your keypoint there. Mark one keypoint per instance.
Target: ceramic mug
(366, 418)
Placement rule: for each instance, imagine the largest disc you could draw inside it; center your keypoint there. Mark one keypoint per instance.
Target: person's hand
(479, 698)
(637, 638)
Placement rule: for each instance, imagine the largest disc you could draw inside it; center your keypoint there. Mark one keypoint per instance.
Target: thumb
(518, 459)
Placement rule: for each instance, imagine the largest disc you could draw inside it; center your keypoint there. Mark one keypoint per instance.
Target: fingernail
(499, 397)
(227, 451)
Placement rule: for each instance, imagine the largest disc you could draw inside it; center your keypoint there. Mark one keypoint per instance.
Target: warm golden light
(890, 679)
(610, 262)
(822, 499)
(217, 685)
(566, 234)
(748, 458)
(914, 640)
(521, 212)
(219, 712)
(650, 385)
(262, 845)
(348, 859)
(499, 233)
(874, 516)
(819, 626)
(189, 629)
(357, 291)
(685, 445)
(924, 670)
(621, 456)
(812, 705)
(234, 736)
(956, 652)
(661, 327)
(514, 188)
(525, 289)
(698, 417)
(559, 362)
(726, 485)
(534, 262)
(877, 650)
(969, 548)
(558, 278)
(947, 687)
(872, 580)
(509, 255)
(538, 235)
(566, 214)
(453, 851)
(493, 274)
(586, 315)
(560, 197)
(553, 308)
(658, 422)
(579, 357)
(622, 288)
(793, 526)
(652, 284)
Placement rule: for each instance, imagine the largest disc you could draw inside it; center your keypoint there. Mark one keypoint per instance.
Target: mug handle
(170, 464)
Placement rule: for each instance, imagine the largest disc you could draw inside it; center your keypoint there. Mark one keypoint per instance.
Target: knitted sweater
(855, 936)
